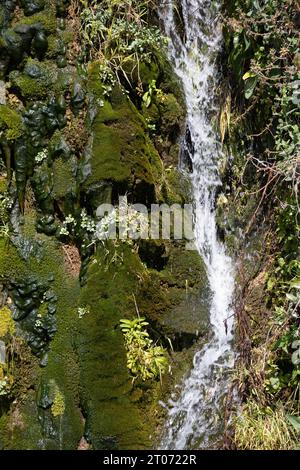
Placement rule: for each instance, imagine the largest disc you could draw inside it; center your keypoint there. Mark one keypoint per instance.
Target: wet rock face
(34, 310)
(32, 6)
(21, 41)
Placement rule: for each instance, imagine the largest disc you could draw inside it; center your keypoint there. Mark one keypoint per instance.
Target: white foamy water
(195, 417)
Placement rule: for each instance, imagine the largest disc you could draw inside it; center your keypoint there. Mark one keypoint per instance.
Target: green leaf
(250, 85)
(296, 357)
(147, 99)
(295, 422)
(292, 298)
(248, 75)
(295, 283)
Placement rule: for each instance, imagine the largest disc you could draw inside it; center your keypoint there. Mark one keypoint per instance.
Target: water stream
(194, 417)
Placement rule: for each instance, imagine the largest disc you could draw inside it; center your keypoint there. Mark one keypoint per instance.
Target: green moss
(37, 80)
(184, 267)
(108, 114)
(112, 279)
(62, 367)
(54, 46)
(19, 428)
(94, 83)
(64, 180)
(11, 121)
(3, 185)
(58, 406)
(57, 43)
(43, 309)
(144, 73)
(176, 187)
(176, 297)
(122, 150)
(171, 111)
(148, 72)
(10, 261)
(7, 325)
(47, 18)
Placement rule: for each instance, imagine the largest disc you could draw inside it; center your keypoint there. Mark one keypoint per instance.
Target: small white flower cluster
(69, 221)
(136, 223)
(38, 323)
(130, 222)
(64, 231)
(107, 225)
(107, 78)
(82, 311)
(3, 386)
(87, 223)
(41, 156)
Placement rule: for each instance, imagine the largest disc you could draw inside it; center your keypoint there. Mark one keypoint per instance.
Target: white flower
(87, 222)
(69, 219)
(3, 386)
(82, 311)
(41, 156)
(64, 231)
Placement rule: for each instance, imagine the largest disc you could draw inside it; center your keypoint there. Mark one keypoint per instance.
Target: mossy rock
(144, 73)
(3, 185)
(176, 187)
(56, 46)
(122, 151)
(184, 267)
(37, 80)
(46, 18)
(7, 325)
(62, 364)
(23, 420)
(32, 6)
(172, 113)
(113, 420)
(64, 181)
(176, 298)
(10, 122)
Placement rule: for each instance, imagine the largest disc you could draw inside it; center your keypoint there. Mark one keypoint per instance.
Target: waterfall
(194, 418)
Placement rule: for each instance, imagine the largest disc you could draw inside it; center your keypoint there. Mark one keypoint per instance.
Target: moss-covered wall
(66, 146)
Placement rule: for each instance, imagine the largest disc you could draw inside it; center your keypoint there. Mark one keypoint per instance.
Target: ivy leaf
(250, 84)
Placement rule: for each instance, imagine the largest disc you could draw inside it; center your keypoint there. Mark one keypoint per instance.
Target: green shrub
(145, 360)
(116, 32)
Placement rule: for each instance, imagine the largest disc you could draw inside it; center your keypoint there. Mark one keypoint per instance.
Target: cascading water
(195, 417)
